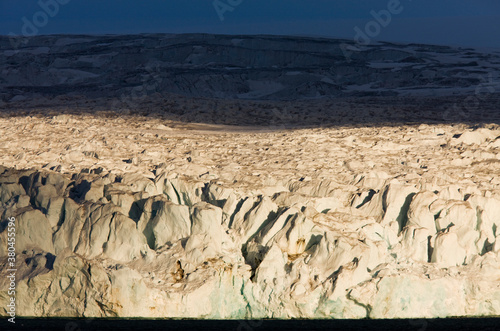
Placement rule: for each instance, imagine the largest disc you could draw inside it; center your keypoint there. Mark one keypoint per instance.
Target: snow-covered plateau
(203, 205)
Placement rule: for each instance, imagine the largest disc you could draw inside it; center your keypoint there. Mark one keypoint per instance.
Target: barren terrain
(295, 186)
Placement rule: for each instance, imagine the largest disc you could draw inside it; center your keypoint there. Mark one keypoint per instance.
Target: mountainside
(238, 67)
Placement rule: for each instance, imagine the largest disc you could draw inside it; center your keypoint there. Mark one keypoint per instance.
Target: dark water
(475, 324)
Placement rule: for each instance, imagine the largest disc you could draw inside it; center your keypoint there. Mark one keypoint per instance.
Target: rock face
(175, 246)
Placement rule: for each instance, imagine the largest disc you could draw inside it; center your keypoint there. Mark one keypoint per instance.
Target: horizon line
(306, 36)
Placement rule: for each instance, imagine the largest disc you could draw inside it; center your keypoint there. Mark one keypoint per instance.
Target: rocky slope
(139, 216)
(237, 67)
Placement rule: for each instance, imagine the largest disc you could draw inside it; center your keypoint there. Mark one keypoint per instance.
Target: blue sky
(451, 22)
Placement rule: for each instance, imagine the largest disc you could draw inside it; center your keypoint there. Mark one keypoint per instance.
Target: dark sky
(450, 22)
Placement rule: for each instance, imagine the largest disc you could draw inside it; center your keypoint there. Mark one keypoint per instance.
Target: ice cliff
(99, 244)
